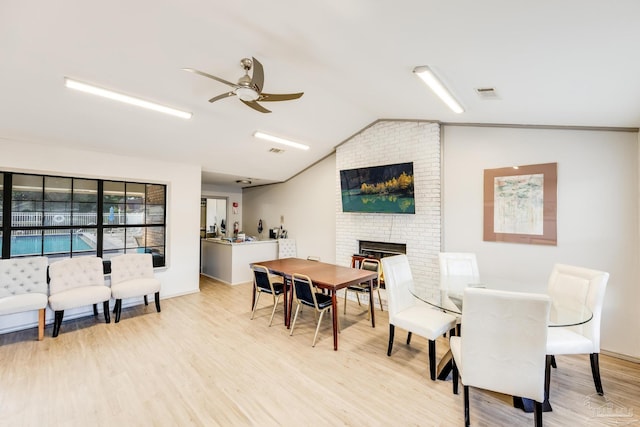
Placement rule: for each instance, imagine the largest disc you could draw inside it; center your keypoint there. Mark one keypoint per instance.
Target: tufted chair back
(20, 276)
(287, 248)
(75, 272)
(131, 266)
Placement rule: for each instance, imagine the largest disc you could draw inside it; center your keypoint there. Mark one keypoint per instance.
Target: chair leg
(454, 375)
(595, 371)
(295, 317)
(95, 309)
(275, 305)
(432, 360)
(466, 405)
(346, 292)
(391, 332)
(57, 321)
(408, 338)
(537, 414)
(380, 300)
(41, 324)
(105, 307)
(117, 309)
(553, 362)
(317, 328)
(146, 301)
(547, 376)
(255, 304)
(157, 299)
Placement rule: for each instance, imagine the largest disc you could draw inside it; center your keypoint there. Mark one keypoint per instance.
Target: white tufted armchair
(132, 276)
(23, 287)
(77, 282)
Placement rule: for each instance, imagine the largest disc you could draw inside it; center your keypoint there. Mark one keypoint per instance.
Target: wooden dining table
(325, 276)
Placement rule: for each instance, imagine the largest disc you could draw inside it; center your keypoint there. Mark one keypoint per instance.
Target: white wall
(181, 276)
(597, 211)
(307, 203)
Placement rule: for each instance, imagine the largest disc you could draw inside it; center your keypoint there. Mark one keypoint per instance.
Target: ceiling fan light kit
(249, 89)
(430, 79)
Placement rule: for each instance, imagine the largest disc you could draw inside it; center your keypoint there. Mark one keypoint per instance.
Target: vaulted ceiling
(570, 63)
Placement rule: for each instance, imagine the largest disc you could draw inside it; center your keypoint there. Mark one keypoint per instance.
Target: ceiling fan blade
(192, 70)
(224, 95)
(256, 106)
(279, 97)
(257, 78)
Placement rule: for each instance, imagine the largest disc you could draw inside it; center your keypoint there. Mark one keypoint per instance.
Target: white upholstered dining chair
(502, 347)
(573, 288)
(407, 312)
(457, 264)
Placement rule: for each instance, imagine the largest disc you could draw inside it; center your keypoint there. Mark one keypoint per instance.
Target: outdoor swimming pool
(32, 245)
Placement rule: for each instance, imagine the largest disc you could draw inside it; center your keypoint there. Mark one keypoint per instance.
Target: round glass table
(447, 296)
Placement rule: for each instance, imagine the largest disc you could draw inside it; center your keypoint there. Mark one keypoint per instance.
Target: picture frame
(520, 204)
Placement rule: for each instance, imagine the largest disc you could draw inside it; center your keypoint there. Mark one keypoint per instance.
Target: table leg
(288, 301)
(334, 312)
(445, 366)
(372, 305)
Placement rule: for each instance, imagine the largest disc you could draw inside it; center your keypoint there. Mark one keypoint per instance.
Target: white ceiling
(570, 63)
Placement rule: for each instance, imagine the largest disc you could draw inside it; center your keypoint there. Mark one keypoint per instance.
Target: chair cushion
(566, 341)
(135, 288)
(278, 288)
(77, 297)
(424, 321)
(23, 302)
(362, 287)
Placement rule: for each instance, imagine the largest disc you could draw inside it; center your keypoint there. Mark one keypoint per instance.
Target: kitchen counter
(229, 262)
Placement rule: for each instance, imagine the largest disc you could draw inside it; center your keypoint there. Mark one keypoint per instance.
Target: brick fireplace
(389, 142)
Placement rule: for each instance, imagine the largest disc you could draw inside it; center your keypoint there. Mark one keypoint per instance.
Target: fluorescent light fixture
(430, 79)
(94, 90)
(279, 140)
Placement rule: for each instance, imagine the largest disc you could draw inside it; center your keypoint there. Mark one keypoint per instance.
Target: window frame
(49, 226)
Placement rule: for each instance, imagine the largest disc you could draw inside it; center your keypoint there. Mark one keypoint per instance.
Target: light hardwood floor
(203, 362)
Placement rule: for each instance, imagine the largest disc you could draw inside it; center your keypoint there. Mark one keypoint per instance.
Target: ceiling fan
(249, 89)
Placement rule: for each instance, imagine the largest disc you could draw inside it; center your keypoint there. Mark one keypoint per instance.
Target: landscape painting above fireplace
(378, 189)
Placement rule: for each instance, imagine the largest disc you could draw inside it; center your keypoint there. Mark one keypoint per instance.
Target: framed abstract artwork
(520, 204)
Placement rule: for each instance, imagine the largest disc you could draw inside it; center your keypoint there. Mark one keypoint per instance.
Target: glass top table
(447, 296)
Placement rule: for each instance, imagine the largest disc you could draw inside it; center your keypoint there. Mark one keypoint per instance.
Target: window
(62, 217)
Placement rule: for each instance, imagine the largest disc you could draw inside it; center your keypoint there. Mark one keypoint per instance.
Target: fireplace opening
(380, 250)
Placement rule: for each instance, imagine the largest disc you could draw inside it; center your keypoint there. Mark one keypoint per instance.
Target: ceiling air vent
(487, 93)
(276, 150)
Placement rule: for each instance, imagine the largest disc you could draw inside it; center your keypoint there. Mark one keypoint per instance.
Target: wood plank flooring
(203, 362)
